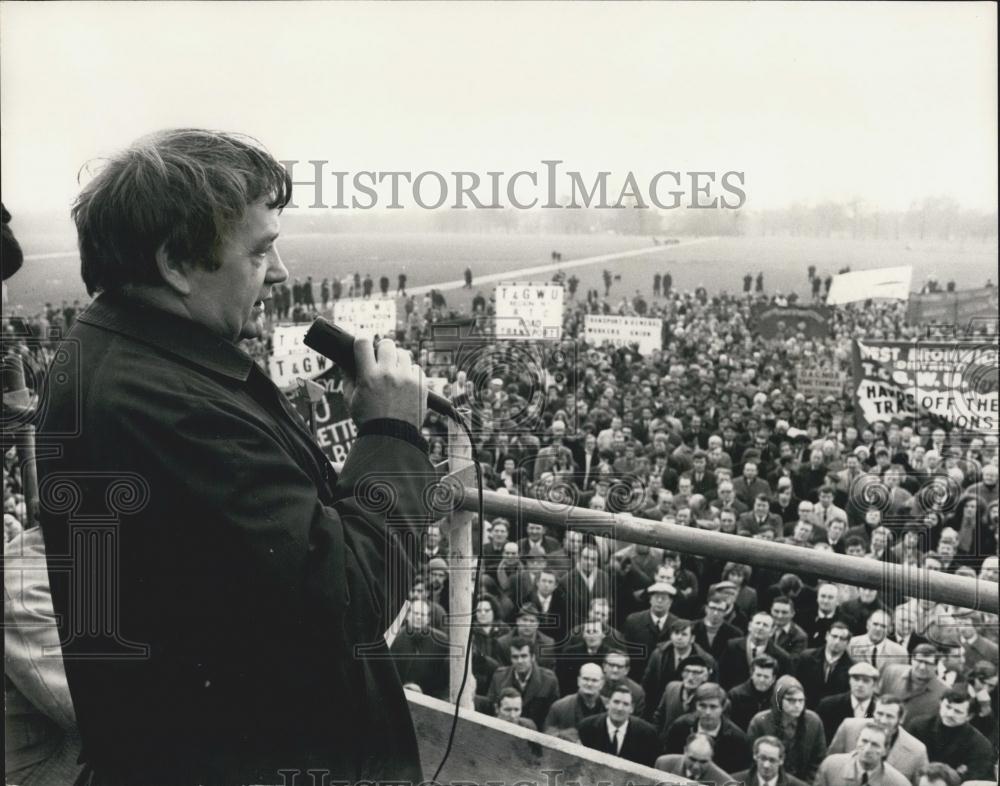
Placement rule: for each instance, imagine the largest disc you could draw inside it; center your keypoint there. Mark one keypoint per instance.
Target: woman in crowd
(801, 730)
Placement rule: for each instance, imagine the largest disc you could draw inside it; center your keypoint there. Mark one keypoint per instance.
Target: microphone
(338, 345)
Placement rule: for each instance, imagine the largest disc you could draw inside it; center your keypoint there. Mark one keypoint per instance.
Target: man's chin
(252, 328)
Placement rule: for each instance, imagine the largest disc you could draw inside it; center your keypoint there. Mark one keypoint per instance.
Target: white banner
(887, 282)
(624, 331)
(529, 311)
(366, 317)
(292, 360)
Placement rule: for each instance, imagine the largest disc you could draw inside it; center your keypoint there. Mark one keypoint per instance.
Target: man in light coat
(906, 753)
(866, 765)
(877, 639)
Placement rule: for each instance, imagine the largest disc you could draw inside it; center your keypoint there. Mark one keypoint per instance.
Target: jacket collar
(168, 333)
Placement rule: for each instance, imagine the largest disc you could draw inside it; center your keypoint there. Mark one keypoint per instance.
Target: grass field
(718, 263)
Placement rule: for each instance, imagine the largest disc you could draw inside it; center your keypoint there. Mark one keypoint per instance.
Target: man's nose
(276, 270)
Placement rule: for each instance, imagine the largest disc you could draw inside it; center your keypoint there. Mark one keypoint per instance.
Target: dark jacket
(961, 747)
(250, 581)
(834, 709)
(661, 670)
(422, 657)
(810, 670)
(732, 745)
(750, 778)
(745, 702)
(717, 647)
(734, 666)
(643, 637)
(640, 744)
(803, 756)
(538, 695)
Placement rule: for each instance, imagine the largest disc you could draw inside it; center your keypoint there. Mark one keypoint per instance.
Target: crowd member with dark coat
(787, 634)
(952, 740)
(732, 746)
(242, 644)
(768, 765)
(566, 713)
(858, 702)
(712, 633)
(799, 729)
(538, 686)
(487, 629)
(647, 629)
(619, 733)
(678, 696)
(753, 696)
(420, 652)
(824, 671)
(668, 660)
(734, 667)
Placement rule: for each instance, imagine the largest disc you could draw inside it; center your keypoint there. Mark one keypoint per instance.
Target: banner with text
(529, 311)
(292, 360)
(784, 321)
(819, 382)
(624, 331)
(366, 317)
(953, 381)
(327, 414)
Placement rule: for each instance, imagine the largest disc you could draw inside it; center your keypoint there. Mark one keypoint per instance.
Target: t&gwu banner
(955, 381)
(366, 317)
(529, 311)
(292, 360)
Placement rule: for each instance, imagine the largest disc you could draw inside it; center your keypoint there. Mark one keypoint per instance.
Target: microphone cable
(478, 548)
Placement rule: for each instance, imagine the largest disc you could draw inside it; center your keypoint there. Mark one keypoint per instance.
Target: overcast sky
(888, 102)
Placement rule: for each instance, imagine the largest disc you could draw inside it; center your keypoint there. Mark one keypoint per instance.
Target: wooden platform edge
(490, 751)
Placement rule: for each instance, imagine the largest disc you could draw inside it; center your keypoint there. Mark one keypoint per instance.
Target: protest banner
(529, 311)
(892, 283)
(322, 406)
(952, 308)
(783, 321)
(624, 331)
(819, 382)
(366, 317)
(291, 359)
(953, 381)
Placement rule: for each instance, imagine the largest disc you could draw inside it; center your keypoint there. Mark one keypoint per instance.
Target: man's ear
(174, 272)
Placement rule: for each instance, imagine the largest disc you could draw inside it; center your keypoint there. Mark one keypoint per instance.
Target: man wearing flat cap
(857, 702)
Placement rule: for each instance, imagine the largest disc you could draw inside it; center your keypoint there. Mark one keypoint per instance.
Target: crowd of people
(704, 668)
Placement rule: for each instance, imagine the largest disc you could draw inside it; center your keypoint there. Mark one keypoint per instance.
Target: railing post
(460, 577)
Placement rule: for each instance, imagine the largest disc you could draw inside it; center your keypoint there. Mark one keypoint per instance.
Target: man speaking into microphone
(232, 630)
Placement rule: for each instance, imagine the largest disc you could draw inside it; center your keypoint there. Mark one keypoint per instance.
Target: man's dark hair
(839, 624)
(957, 695)
(681, 625)
(622, 688)
(854, 540)
(183, 189)
(764, 661)
(519, 642)
(509, 692)
(784, 600)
